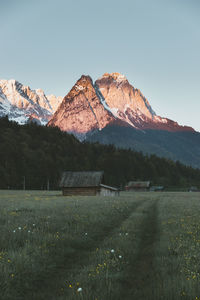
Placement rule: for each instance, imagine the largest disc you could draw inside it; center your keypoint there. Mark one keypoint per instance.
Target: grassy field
(136, 246)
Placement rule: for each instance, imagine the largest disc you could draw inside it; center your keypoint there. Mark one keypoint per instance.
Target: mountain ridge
(108, 111)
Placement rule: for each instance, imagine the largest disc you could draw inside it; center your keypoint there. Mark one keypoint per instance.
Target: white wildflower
(120, 256)
(79, 290)
(112, 250)
(19, 228)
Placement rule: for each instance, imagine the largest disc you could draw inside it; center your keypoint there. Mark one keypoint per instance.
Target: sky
(49, 44)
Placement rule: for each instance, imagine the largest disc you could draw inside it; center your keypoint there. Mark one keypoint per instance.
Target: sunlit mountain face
(110, 100)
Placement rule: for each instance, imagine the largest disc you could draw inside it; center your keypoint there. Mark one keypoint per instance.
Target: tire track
(70, 263)
(141, 272)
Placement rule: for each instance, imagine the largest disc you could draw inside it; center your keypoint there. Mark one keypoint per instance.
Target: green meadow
(136, 246)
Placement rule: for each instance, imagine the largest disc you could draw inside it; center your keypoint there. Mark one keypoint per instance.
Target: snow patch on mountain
(79, 87)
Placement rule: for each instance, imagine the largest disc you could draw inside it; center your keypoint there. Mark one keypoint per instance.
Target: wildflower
(126, 233)
(120, 256)
(33, 224)
(79, 290)
(29, 231)
(112, 250)
(19, 228)
(70, 286)
(13, 230)
(9, 260)
(86, 233)
(12, 275)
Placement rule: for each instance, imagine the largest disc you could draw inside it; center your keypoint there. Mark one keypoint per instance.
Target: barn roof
(81, 179)
(138, 184)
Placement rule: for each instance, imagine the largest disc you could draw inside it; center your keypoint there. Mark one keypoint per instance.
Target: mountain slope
(22, 104)
(182, 146)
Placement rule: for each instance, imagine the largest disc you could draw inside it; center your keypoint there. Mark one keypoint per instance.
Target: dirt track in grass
(74, 262)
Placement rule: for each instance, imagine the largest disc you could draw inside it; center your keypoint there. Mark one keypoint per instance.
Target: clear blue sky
(49, 44)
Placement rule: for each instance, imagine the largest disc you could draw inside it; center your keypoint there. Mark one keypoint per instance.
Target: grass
(136, 246)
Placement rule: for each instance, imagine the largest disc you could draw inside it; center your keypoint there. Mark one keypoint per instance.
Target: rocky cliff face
(22, 104)
(81, 110)
(111, 100)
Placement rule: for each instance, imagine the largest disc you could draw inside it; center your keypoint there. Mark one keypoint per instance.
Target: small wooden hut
(157, 188)
(88, 183)
(138, 186)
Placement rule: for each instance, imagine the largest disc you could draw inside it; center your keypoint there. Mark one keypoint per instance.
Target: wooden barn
(138, 186)
(86, 183)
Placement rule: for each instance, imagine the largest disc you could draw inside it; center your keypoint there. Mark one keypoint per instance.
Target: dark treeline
(33, 157)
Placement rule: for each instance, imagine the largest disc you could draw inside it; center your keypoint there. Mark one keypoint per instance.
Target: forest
(33, 157)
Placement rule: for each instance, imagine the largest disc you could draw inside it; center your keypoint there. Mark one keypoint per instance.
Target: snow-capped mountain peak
(21, 103)
(88, 107)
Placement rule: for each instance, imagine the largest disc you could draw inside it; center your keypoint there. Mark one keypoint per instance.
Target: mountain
(111, 100)
(21, 104)
(112, 111)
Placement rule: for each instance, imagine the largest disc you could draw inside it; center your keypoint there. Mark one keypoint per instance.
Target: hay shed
(88, 183)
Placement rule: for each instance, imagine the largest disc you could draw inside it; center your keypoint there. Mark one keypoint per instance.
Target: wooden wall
(88, 191)
(138, 189)
(83, 191)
